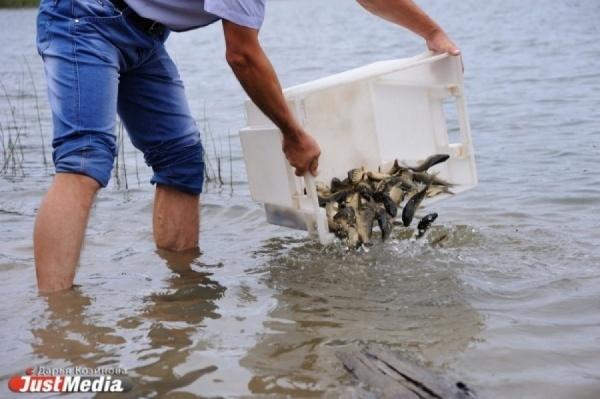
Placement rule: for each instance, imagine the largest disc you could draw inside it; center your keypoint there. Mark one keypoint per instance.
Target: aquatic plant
(23, 110)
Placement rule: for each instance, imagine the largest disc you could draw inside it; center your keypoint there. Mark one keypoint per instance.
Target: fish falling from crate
(364, 199)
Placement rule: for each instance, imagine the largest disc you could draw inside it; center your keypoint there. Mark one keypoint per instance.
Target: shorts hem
(103, 183)
(186, 189)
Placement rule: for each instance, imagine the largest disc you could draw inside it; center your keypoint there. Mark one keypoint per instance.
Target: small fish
(383, 185)
(408, 180)
(365, 190)
(338, 197)
(340, 231)
(396, 194)
(353, 238)
(353, 201)
(425, 223)
(437, 190)
(388, 203)
(355, 176)
(345, 215)
(396, 168)
(339, 185)
(431, 161)
(408, 213)
(343, 221)
(331, 209)
(352, 205)
(431, 179)
(385, 223)
(365, 219)
(377, 176)
(322, 189)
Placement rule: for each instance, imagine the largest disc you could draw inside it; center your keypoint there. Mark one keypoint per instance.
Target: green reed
(13, 154)
(26, 114)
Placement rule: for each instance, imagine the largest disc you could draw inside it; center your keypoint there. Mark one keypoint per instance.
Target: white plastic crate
(367, 116)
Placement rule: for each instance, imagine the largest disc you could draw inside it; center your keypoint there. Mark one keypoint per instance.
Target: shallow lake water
(510, 303)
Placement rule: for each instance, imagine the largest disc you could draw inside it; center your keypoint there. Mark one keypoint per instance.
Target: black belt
(145, 24)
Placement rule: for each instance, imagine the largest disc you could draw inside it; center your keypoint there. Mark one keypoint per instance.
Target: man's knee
(179, 164)
(91, 155)
(82, 182)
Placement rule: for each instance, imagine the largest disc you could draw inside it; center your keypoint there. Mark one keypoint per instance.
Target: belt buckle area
(155, 28)
(119, 4)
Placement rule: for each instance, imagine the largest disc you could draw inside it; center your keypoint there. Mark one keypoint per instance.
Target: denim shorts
(99, 63)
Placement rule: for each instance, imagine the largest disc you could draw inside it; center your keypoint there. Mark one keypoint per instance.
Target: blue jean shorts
(99, 63)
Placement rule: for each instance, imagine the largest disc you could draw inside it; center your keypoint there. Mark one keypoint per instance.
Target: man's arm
(258, 78)
(407, 14)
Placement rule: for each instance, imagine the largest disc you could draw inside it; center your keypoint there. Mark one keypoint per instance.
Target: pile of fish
(355, 204)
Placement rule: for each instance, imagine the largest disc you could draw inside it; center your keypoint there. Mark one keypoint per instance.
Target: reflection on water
(168, 321)
(402, 294)
(72, 337)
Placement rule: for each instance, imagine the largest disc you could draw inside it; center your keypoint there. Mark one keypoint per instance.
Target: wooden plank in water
(393, 376)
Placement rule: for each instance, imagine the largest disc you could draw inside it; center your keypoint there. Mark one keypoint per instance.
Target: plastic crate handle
(325, 237)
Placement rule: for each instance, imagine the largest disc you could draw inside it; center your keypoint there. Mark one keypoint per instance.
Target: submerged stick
(392, 376)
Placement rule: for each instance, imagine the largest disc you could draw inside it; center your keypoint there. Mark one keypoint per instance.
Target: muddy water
(509, 302)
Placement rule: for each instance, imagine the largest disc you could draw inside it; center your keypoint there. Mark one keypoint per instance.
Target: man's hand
(302, 152)
(407, 14)
(440, 43)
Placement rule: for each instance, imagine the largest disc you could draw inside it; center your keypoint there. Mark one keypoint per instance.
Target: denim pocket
(96, 11)
(44, 34)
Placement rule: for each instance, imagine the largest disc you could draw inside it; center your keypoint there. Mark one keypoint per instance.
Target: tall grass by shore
(18, 3)
(24, 114)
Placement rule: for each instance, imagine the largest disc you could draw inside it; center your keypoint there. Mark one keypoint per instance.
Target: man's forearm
(404, 13)
(259, 80)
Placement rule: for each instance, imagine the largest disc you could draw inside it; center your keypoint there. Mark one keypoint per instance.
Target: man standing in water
(104, 57)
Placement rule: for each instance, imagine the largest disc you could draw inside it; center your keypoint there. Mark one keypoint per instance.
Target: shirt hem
(235, 17)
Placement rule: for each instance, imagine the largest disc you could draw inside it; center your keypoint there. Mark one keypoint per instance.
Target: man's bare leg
(60, 229)
(176, 219)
